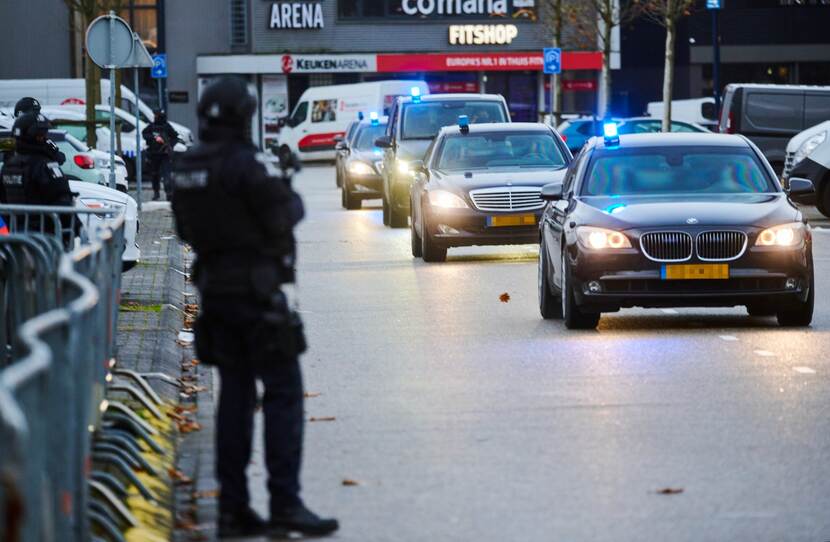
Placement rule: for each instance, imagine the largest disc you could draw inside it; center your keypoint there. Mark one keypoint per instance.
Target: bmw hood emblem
(692, 220)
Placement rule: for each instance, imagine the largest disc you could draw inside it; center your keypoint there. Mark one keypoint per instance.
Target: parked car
(82, 163)
(815, 166)
(699, 111)
(577, 132)
(803, 144)
(650, 125)
(770, 115)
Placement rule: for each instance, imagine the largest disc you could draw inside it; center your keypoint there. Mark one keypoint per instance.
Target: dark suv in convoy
(413, 124)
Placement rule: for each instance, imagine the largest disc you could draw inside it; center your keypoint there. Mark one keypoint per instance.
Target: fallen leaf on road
(350, 482)
(310, 394)
(189, 426)
(322, 419)
(179, 477)
(177, 417)
(504, 298)
(670, 491)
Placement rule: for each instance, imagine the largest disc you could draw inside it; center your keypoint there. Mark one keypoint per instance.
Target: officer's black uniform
(31, 105)
(32, 175)
(161, 137)
(237, 210)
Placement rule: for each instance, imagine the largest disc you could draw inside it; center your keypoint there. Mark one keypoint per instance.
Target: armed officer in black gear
(237, 210)
(32, 176)
(161, 137)
(31, 105)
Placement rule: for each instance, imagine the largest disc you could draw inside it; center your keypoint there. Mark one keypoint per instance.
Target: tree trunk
(668, 72)
(118, 125)
(93, 91)
(605, 90)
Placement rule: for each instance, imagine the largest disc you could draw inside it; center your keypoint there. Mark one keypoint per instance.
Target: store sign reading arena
(296, 15)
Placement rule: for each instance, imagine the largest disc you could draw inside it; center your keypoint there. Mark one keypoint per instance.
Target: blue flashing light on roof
(464, 124)
(415, 92)
(610, 133)
(360, 115)
(374, 118)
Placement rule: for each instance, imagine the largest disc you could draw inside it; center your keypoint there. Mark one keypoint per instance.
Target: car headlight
(447, 200)
(809, 146)
(403, 166)
(601, 239)
(360, 168)
(785, 235)
(98, 203)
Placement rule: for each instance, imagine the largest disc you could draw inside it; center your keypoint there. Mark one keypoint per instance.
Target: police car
(481, 185)
(413, 123)
(674, 220)
(363, 163)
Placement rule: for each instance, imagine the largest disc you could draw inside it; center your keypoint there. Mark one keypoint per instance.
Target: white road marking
(804, 370)
(669, 311)
(728, 337)
(765, 353)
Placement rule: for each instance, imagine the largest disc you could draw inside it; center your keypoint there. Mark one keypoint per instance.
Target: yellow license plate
(719, 271)
(511, 220)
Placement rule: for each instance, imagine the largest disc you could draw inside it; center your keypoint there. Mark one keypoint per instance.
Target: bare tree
(609, 15)
(666, 13)
(555, 13)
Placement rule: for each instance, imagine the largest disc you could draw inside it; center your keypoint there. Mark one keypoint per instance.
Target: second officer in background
(238, 210)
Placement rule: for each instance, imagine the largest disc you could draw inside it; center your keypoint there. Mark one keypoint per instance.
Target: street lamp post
(715, 6)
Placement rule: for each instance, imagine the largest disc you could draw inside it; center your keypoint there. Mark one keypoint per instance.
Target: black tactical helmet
(160, 115)
(31, 128)
(26, 105)
(227, 102)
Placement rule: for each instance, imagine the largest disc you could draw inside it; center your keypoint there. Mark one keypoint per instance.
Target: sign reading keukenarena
(296, 15)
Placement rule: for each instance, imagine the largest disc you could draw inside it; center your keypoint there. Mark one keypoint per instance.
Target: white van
(696, 110)
(73, 92)
(323, 113)
(803, 144)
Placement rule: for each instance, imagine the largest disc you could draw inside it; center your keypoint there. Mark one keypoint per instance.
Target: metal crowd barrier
(60, 278)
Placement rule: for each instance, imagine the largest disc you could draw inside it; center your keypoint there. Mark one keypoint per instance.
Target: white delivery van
(696, 110)
(323, 113)
(73, 92)
(803, 144)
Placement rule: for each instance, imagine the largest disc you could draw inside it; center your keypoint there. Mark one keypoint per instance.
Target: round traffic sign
(109, 41)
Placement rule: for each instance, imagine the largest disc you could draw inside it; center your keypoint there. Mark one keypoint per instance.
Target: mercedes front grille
(667, 246)
(508, 198)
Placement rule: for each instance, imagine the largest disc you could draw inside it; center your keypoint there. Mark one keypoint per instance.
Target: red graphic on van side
(318, 142)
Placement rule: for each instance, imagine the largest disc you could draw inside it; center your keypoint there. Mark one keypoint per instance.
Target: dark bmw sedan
(674, 220)
(481, 184)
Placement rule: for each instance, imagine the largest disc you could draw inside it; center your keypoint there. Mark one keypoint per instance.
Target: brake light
(564, 137)
(730, 123)
(84, 162)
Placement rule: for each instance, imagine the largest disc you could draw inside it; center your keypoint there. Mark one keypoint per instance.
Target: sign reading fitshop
(296, 15)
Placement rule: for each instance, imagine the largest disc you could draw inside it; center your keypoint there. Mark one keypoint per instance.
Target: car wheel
(823, 201)
(347, 199)
(550, 305)
(397, 218)
(417, 248)
(801, 314)
(385, 211)
(571, 312)
(430, 251)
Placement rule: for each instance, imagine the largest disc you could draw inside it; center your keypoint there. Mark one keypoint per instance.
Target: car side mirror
(383, 142)
(340, 145)
(802, 191)
(552, 192)
(708, 111)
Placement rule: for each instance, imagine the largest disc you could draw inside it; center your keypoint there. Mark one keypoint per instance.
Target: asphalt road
(463, 418)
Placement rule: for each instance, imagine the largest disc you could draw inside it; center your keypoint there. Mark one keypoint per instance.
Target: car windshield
(676, 170)
(365, 140)
(424, 120)
(499, 149)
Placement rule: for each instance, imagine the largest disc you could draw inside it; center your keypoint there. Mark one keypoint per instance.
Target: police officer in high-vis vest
(237, 210)
(32, 175)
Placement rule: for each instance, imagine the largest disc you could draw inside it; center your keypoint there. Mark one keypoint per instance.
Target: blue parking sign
(159, 69)
(714, 4)
(553, 60)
